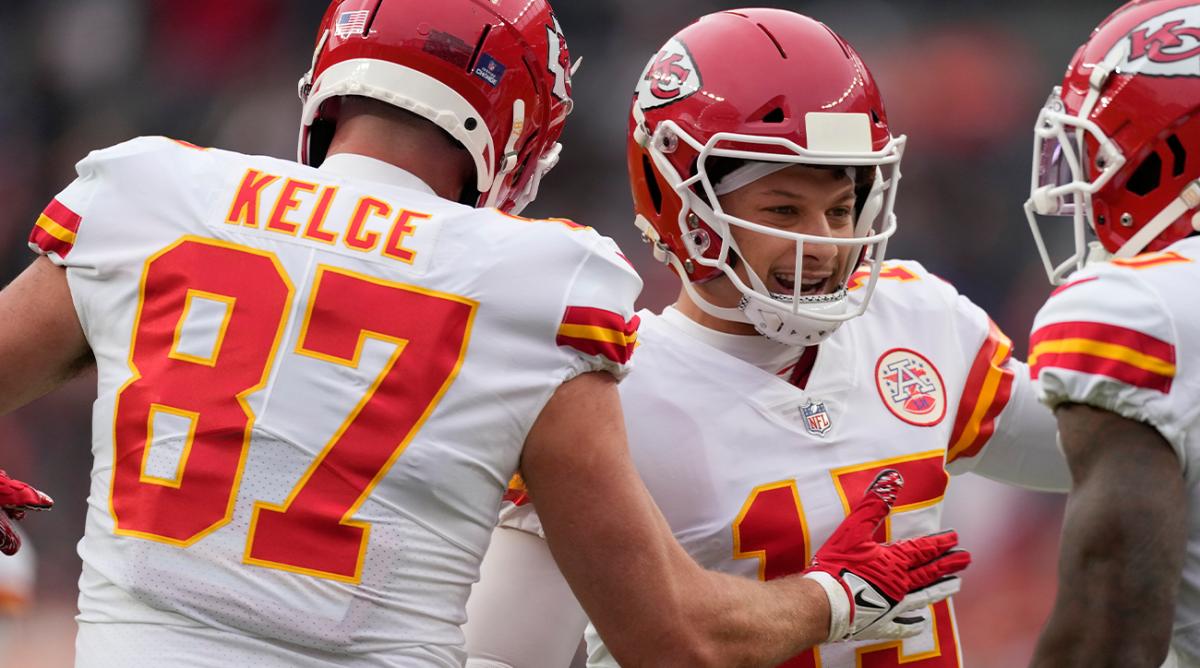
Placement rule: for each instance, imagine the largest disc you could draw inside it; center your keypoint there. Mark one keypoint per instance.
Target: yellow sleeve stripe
(1110, 351)
(55, 230)
(597, 334)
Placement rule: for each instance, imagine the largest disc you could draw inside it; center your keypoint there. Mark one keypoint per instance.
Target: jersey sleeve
(598, 329)
(1000, 431)
(1108, 341)
(101, 177)
(56, 229)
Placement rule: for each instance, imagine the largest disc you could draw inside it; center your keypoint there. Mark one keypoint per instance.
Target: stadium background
(964, 80)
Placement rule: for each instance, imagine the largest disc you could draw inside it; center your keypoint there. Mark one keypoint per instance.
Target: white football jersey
(312, 392)
(1123, 336)
(753, 473)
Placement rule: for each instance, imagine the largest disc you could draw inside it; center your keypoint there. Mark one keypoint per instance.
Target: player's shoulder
(561, 232)
(150, 165)
(548, 241)
(142, 150)
(1111, 336)
(905, 285)
(1137, 295)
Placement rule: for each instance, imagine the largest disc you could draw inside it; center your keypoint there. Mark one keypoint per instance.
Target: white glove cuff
(839, 604)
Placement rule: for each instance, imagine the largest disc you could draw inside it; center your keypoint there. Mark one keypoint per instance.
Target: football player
(1113, 350)
(316, 379)
(796, 363)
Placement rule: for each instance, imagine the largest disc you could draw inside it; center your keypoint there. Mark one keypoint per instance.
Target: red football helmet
(1115, 145)
(494, 74)
(769, 88)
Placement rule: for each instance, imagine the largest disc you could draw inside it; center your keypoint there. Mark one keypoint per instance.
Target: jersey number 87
(310, 532)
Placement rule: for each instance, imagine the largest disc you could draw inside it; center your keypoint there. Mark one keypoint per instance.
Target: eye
(840, 213)
(782, 210)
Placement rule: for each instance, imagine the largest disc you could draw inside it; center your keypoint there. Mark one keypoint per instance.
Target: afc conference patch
(816, 418)
(911, 387)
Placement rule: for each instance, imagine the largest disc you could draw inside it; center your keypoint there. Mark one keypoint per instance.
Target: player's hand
(15, 498)
(878, 591)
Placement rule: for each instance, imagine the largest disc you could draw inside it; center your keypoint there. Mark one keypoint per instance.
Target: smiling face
(800, 199)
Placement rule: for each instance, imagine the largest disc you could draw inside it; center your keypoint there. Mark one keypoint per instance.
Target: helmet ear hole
(656, 197)
(1146, 177)
(1179, 154)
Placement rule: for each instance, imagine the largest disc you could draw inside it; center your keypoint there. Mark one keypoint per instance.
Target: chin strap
(664, 255)
(1188, 199)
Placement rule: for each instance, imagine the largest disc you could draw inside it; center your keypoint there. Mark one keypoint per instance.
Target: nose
(819, 254)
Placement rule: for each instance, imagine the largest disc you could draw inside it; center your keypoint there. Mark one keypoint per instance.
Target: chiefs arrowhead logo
(559, 61)
(1166, 45)
(670, 76)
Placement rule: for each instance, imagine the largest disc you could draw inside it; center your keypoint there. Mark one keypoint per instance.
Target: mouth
(785, 283)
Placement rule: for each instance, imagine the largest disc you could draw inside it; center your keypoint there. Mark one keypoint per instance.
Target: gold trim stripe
(597, 334)
(47, 224)
(1110, 351)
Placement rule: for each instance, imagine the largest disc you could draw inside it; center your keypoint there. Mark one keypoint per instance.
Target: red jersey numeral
(772, 528)
(310, 532)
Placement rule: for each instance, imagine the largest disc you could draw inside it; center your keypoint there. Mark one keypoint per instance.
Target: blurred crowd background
(964, 80)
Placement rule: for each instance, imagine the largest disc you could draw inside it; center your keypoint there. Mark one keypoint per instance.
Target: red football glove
(881, 592)
(15, 498)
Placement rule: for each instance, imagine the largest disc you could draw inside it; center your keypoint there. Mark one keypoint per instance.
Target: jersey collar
(353, 166)
(760, 351)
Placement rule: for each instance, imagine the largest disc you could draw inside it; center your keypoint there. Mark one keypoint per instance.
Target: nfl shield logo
(816, 418)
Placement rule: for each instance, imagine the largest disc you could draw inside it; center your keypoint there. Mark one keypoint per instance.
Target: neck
(687, 306)
(419, 151)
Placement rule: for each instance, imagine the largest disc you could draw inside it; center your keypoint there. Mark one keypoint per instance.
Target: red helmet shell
(494, 74)
(1147, 106)
(749, 71)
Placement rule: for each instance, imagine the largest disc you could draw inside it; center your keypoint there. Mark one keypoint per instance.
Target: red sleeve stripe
(55, 229)
(985, 395)
(594, 331)
(1125, 355)
(1136, 342)
(1067, 286)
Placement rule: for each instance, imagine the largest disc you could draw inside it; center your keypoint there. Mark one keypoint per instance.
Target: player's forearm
(703, 618)
(762, 625)
(1116, 594)
(1123, 545)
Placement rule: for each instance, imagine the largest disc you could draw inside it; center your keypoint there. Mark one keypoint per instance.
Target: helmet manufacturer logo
(670, 76)
(351, 23)
(1166, 45)
(911, 387)
(816, 418)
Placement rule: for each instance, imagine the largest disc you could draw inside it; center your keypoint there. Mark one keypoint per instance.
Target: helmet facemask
(707, 229)
(1060, 185)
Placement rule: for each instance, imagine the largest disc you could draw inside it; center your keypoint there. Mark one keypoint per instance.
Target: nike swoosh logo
(861, 602)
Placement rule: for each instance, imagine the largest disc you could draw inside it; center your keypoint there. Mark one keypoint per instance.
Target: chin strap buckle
(650, 235)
